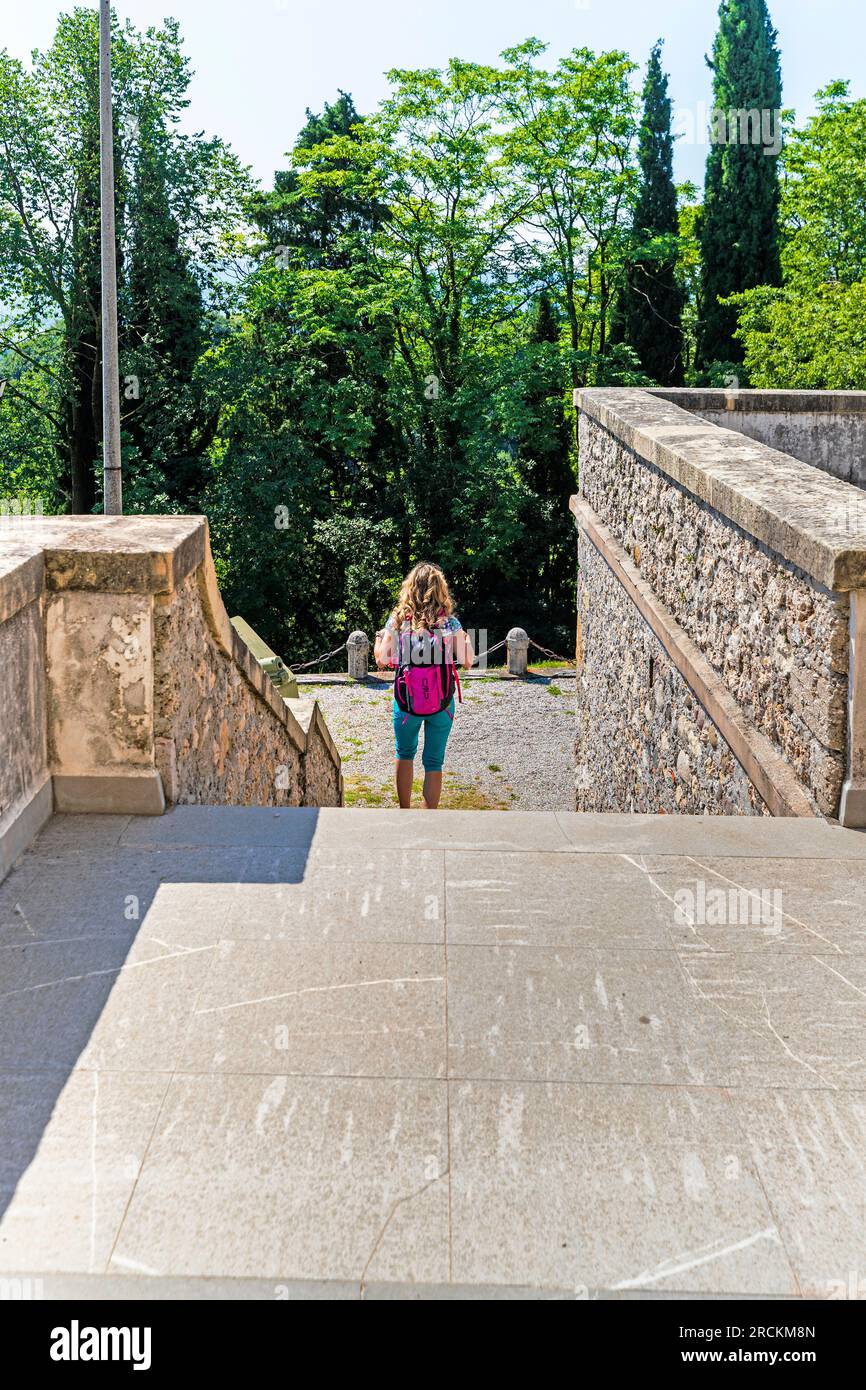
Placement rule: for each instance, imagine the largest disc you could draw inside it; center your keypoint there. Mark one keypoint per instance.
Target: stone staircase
(331, 1053)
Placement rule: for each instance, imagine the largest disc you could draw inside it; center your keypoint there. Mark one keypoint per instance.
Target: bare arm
(463, 650)
(383, 649)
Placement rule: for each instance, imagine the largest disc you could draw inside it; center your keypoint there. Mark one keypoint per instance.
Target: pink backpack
(426, 678)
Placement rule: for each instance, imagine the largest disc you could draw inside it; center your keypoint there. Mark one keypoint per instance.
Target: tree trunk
(84, 428)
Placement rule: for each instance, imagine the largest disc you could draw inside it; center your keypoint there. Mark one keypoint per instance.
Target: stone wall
(644, 742)
(320, 760)
(124, 687)
(771, 638)
(99, 657)
(24, 780)
(218, 742)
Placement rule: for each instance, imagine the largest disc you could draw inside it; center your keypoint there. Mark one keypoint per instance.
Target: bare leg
(432, 791)
(405, 775)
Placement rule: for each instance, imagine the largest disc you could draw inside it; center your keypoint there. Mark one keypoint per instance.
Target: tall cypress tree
(649, 314)
(739, 227)
(163, 329)
(544, 461)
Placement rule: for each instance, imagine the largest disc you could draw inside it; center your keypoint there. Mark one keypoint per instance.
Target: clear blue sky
(260, 63)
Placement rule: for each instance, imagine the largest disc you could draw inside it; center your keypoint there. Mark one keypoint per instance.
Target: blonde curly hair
(424, 599)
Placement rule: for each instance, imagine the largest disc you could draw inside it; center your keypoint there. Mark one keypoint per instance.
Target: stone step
(511, 831)
(342, 1053)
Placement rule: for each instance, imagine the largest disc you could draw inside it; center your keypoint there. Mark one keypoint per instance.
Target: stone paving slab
(507, 831)
(138, 1287)
(82, 832)
(544, 899)
(816, 905)
(257, 827)
(295, 1177)
(416, 830)
(347, 894)
(283, 1007)
(621, 1015)
(69, 1160)
(620, 1186)
(102, 892)
(97, 1004)
(197, 895)
(420, 1056)
(809, 1149)
(534, 1014)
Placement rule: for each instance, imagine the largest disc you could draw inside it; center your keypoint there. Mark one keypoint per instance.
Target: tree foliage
(177, 197)
(371, 361)
(649, 313)
(738, 228)
(810, 334)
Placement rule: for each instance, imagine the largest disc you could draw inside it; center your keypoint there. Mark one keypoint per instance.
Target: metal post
(111, 476)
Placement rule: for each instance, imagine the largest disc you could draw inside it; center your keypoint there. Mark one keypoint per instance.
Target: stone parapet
(718, 585)
(125, 688)
(824, 428)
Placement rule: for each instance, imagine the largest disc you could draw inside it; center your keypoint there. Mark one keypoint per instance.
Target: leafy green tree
(163, 337)
(299, 495)
(569, 140)
(811, 333)
(649, 312)
(49, 244)
(30, 461)
(296, 518)
(546, 605)
(325, 226)
(405, 253)
(738, 229)
(444, 268)
(49, 217)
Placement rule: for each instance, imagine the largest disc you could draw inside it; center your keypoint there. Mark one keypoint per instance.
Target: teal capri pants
(437, 727)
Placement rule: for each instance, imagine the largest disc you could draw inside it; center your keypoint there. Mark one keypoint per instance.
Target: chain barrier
(326, 656)
(482, 656)
(568, 660)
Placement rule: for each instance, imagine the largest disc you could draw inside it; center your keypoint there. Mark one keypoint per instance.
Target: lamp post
(112, 484)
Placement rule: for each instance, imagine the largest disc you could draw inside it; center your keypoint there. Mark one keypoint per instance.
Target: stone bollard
(359, 651)
(517, 644)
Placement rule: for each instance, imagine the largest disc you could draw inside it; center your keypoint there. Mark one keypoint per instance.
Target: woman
(423, 640)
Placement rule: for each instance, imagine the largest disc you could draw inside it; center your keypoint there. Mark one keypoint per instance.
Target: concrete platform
(298, 1054)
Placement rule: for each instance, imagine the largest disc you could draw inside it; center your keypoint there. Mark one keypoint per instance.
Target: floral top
(451, 624)
(404, 641)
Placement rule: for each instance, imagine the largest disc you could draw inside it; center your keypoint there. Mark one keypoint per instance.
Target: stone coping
(112, 554)
(22, 579)
(814, 521)
(764, 402)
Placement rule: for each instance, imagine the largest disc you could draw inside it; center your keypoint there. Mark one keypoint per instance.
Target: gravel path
(511, 748)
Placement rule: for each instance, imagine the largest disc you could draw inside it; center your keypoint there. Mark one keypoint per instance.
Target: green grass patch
(458, 794)
(360, 791)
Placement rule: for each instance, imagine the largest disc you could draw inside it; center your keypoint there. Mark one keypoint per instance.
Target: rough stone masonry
(771, 634)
